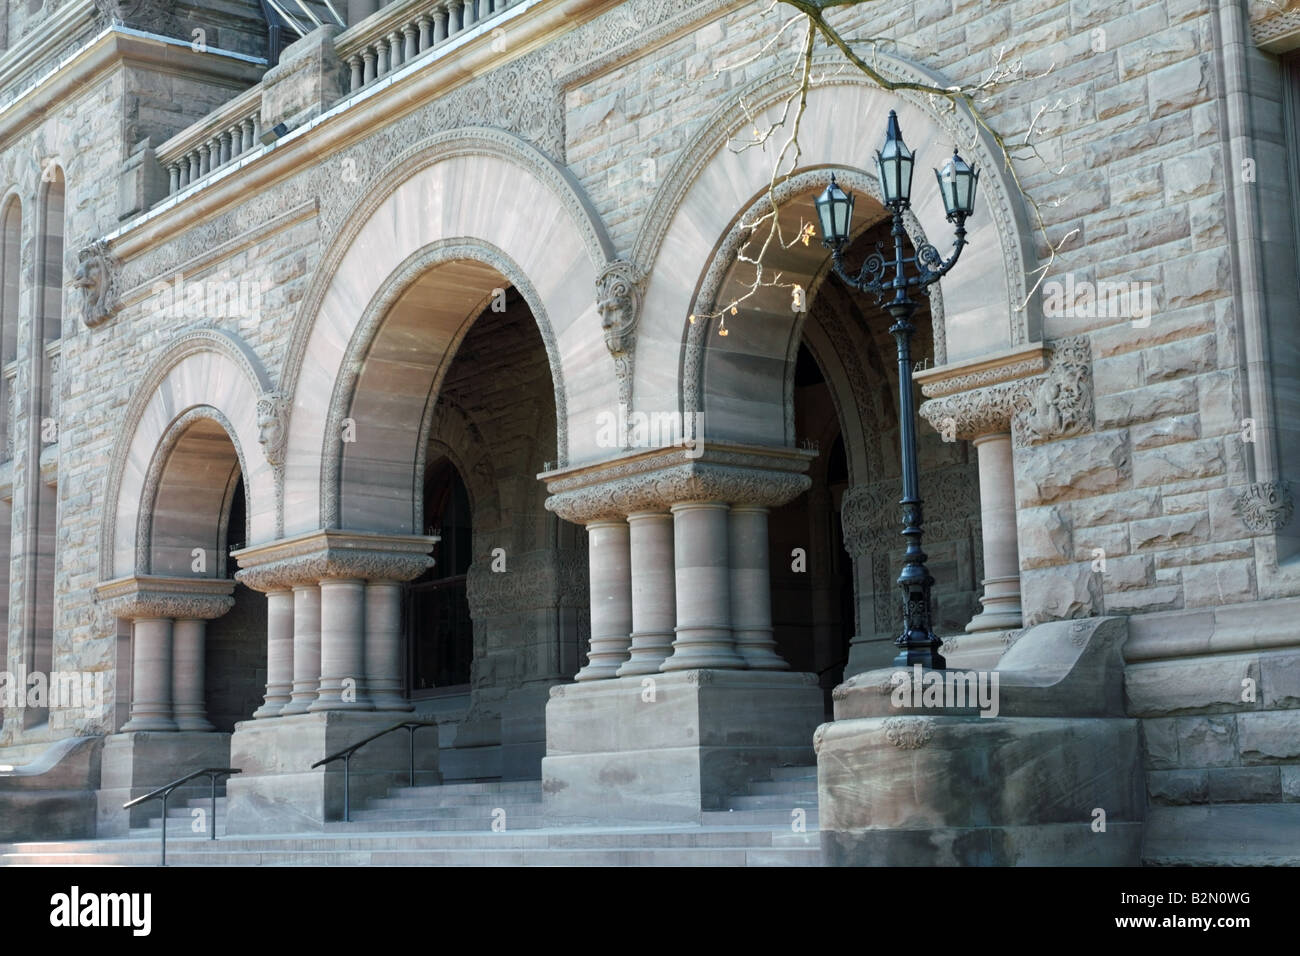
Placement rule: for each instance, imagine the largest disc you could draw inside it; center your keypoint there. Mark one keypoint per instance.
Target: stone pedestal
(132, 764)
(973, 791)
(279, 792)
(913, 771)
(667, 747)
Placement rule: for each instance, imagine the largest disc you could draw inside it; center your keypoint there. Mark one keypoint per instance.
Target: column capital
(146, 596)
(656, 479)
(319, 555)
(1037, 393)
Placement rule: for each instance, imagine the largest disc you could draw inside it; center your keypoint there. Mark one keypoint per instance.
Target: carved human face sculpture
(270, 431)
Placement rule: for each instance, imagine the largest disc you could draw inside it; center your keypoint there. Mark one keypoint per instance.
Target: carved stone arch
(204, 367)
(372, 320)
(984, 299)
(469, 185)
(183, 424)
(451, 430)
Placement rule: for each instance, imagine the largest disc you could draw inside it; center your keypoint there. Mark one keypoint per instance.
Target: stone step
(484, 786)
(795, 773)
(436, 800)
(425, 820)
(775, 801)
(681, 845)
(758, 818)
(688, 856)
(799, 785)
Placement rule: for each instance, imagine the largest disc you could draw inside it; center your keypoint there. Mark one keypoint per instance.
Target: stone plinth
(133, 764)
(279, 792)
(1014, 777)
(672, 745)
(973, 791)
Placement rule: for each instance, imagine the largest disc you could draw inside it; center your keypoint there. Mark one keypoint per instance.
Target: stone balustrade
(334, 611)
(401, 32)
(212, 143)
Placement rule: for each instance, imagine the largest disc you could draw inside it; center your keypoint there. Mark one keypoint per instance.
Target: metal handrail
(165, 791)
(411, 726)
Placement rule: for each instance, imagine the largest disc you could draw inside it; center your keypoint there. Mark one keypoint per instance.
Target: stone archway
(521, 214)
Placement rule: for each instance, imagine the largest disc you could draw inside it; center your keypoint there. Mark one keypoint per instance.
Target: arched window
(440, 637)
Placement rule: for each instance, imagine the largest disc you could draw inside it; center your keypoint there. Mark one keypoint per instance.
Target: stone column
(167, 645)
(189, 706)
(151, 675)
(1001, 600)
(279, 653)
(654, 593)
(610, 573)
(355, 75)
(384, 645)
(306, 648)
(342, 646)
(703, 575)
(751, 589)
(342, 618)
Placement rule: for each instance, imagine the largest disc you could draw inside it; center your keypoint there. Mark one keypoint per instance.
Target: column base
(278, 792)
(134, 763)
(614, 755)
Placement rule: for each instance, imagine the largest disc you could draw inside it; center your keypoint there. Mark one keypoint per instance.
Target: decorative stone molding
(97, 278)
(982, 397)
(273, 427)
(1275, 25)
(909, 733)
(541, 579)
(654, 480)
(1265, 506)
(619, 289)
(1062, 405)
(314, 557)
(141, 596)
(1037, 394)
(153, 16)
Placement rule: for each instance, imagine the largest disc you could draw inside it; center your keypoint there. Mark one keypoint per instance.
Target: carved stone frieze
(1265, 506)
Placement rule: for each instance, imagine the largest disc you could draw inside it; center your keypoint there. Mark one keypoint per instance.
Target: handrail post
(164, 828)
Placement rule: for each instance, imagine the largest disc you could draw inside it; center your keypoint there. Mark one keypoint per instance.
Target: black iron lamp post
(890, 281)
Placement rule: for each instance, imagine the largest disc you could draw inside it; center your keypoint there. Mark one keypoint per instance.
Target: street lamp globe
(835, 210)
(894, 163)
(957, 183)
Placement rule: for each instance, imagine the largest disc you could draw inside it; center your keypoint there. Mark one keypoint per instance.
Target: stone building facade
(332, 351)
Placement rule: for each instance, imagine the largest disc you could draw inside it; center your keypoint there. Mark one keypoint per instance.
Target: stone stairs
(452, 825)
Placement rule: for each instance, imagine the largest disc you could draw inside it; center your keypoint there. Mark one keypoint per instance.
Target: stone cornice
(357, 116)
(114, 45)
(314, 557)
(1005, 366)
(145, 596)
(655, 479)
